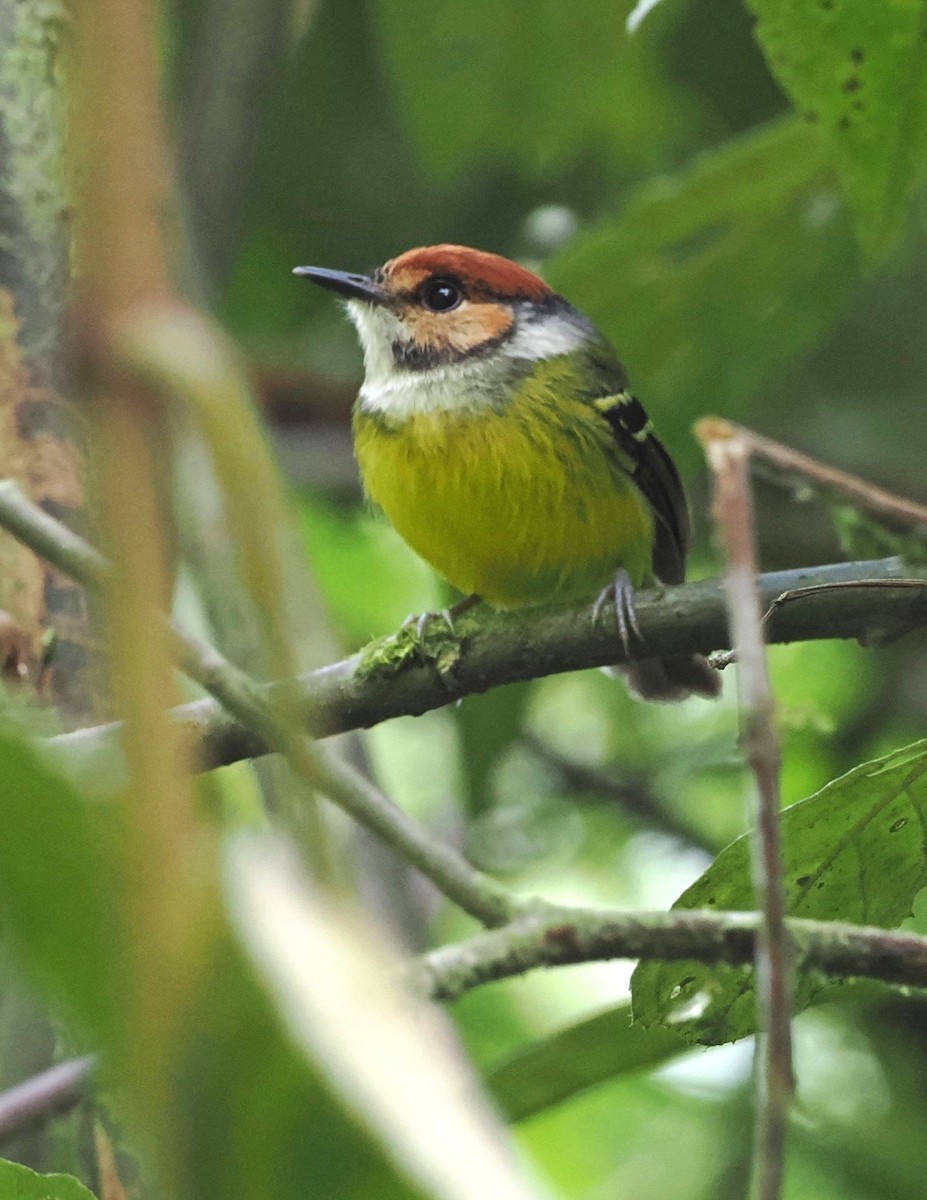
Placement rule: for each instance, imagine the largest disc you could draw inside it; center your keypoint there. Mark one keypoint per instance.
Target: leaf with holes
(854, 851)
(858, 71)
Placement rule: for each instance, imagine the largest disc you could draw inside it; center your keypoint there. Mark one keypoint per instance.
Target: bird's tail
(676, 677)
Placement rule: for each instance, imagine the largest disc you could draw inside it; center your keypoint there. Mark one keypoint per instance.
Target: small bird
(496, 430)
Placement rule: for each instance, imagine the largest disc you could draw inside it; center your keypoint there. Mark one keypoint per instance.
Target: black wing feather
(655, 474)
(658, 479)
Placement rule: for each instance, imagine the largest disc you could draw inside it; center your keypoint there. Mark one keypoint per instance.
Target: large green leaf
(577, 1058)
(854, 851)
(711, 280)
(248, 1116)
(19, 1183)
(858, 70)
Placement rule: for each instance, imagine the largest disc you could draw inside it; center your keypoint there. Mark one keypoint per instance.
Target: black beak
(356, 287)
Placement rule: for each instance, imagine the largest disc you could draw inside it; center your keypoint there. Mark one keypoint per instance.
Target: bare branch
(51, 1092)
(562, 937)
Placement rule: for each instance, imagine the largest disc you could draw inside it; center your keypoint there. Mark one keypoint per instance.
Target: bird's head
(443, 311)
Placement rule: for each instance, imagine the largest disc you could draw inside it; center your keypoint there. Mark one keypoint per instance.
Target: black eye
(440, 295)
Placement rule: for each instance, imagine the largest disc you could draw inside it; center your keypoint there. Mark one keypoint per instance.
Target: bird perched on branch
(496, 430)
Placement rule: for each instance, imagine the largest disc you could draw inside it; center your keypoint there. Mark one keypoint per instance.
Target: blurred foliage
(576, 1058)
(735, 193)
(622, 114)
(691, 274)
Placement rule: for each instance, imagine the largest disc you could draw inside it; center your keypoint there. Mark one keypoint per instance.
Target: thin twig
(577, 935)
(47, 1094)
(728, 457)
(265, 714)
(897, 512)
(720, 659)
(817, 589)
(260, 712)
(49, 537)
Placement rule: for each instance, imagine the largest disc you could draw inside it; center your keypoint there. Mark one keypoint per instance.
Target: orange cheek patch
(464, 329)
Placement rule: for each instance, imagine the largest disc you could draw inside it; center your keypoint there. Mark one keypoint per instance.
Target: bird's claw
(431, 639)
(421, 622)
(620, 594)
(427, 617)
(447, 615)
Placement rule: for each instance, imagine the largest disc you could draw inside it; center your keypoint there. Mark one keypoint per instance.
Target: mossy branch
(871, 601)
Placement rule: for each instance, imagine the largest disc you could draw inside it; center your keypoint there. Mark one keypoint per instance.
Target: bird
(496, 429)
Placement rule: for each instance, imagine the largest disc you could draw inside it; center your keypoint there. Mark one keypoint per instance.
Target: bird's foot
(428, 622)
(421, 621)
(620, 595)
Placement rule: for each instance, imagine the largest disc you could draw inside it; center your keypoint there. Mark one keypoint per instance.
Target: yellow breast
(520, 505)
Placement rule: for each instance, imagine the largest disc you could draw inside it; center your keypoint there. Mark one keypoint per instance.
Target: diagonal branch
(786, 467)
(564, 937)
(47, 1094)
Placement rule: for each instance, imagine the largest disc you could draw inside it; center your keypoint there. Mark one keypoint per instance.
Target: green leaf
(858, 70)
(577, 1058)
(854, 851)
(19, 1183)
(536, 86)
(248, 1116)
(59, 890)
(712, 279)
